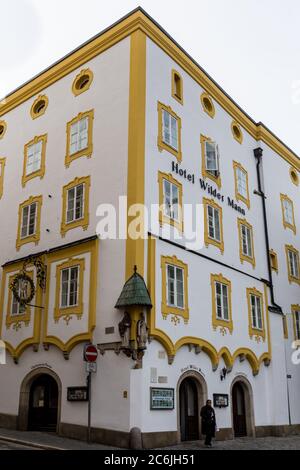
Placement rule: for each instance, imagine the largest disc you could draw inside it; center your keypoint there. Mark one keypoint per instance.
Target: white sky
(250, 47)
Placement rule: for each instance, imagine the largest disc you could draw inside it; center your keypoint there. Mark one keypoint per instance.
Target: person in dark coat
(208, 422)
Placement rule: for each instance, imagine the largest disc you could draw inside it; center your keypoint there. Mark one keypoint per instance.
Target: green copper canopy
(134, 292)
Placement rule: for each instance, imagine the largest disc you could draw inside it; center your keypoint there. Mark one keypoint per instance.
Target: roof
(138, 19)
(134, 293)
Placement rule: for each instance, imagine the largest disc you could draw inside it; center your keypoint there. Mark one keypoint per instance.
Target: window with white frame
(246, 234)
(256, 312)
(297, 323)
(79, 135)
(222, 302)
(29, 216)
(212, 158)
(69, 287)
(16, 307)
(34, 157)
(241, 176)
(171, 199)
(293, 264)
(213, 217)
(170, 130)
(288, 213)
(75, 203)
(175, 286)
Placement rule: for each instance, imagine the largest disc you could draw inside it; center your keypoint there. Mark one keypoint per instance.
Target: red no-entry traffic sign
(90, 353)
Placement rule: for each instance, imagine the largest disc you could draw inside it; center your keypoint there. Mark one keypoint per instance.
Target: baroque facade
(131, 114)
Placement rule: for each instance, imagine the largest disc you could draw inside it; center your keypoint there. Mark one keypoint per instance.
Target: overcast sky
(250, 47)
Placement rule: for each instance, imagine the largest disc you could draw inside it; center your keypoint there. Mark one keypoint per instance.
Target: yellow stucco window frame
(41, 172)
(284, 197)
(237, 132)
(2, 170)
(238, 196)
(160, 141)
(218, 322)
(256, 332)
(243, 257)
(177, 86)
(82, 82)
(87, 152)
(3, 129)
(273, 260)
(77, 310)
(285, 327)
(39, 106)
(208, 105)
(163, 218)
(292, 278)
(85, 220)
(165, 308)
(207, 240)
(16, 320)
(35, 238)
(295, 308)
(205, 173)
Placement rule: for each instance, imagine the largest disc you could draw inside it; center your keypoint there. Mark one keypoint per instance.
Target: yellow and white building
(131, 114)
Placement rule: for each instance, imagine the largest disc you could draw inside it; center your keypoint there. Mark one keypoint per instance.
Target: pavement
(27, 440)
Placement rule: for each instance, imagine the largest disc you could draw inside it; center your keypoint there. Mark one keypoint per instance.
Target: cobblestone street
(266, 443)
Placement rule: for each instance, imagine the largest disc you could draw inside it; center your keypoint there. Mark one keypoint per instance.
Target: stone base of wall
(150, 440)
(8, 421)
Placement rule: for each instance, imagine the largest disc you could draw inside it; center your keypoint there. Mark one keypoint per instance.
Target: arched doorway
(43, 404)
(189, 413)
(242, 408)
(40, 401)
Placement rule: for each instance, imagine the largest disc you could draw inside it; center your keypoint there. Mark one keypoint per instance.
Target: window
(3, 127)
(177, 86)
(75, 206)
(294, 176)
(15, 312)
(34, 159)
(169, 131)
(237, 132)
(246, 242)
(29, 221)
(241, 184)
(296, 321)
(170, 201)
(288, 217)
(221, 302)
(255, 314)
(210, 160)
(82, 82)
(69, 289)
(274, 260)
(174, 287)
(79, 137)
(292, 256)
(213, 224)
(208, 105)
(39, 106)
(2, 168)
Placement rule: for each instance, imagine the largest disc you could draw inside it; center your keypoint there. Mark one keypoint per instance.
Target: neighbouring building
(130, 113)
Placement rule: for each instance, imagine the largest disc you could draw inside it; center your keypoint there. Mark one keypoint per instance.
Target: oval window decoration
(3, 128)
(294, 176)
(237, 132)
(39, 106)
(82, 82)
(208, 105)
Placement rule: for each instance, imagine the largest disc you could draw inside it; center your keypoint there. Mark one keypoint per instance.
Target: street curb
(29, 444)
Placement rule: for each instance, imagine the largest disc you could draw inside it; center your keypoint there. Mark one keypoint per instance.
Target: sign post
(90, 357)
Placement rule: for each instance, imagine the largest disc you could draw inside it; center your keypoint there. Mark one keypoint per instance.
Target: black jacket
(208, 420)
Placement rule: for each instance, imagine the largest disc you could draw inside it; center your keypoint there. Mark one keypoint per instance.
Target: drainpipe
(258, 153)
